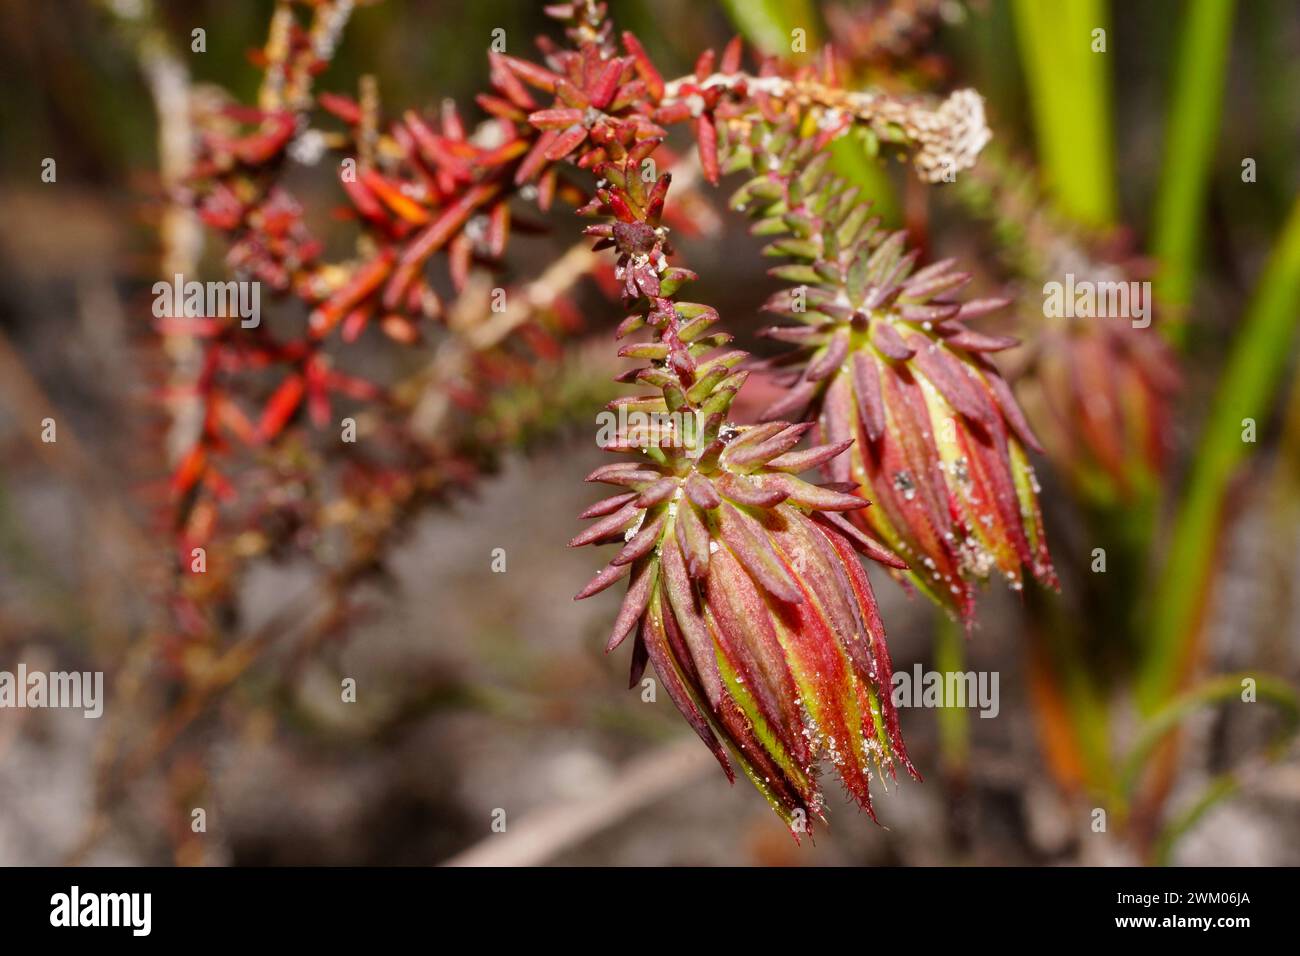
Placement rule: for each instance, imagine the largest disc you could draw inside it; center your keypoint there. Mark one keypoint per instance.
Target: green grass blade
(768, 23)
(1246, 390)
(1195, 110)
(1217, 690)
(1069, 91)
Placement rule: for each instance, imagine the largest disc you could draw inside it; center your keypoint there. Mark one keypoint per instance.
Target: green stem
(1197, 92)
(1246, 390)
(1084, 697)
(1069, 89)
(1219, 789)
(1214, 691)
(954, 725)
(768, 24)
(1217, 691)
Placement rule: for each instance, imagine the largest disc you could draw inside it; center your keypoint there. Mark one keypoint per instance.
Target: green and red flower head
(1102, 391)
(939, 441)
(885, 359)
(1099, 389)
(745, 590)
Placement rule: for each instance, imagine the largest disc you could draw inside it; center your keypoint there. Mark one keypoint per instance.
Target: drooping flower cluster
(745, 590)
(885, 357)
(1102, 394)
(1100, 388)
(744, 586)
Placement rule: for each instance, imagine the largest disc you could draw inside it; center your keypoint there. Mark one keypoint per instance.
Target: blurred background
(482, 692)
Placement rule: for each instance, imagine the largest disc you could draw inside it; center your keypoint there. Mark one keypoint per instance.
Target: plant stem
(1245, 393)
(1069, 87)
(768, 23)
(1071, 705)
(1152, 743)
(954, 726)
(1197, 101)
(1216, 691)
